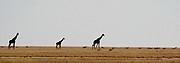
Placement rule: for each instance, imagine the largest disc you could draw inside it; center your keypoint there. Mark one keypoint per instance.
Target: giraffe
(97, 42)
(13, 41)
(59, 43)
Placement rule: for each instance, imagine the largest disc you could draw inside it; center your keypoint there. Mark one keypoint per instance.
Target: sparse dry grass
(86, 55)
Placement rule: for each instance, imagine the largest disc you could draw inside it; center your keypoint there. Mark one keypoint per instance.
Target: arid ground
(49, 54)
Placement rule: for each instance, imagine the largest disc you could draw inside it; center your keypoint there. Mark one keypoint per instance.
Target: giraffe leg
(13, 45)
(92, 47)
(56, 46)
(96, 46)
(9, 46)
(60, 46)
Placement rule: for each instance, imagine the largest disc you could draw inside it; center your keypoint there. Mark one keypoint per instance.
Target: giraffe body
(12, 41)
(96, 42)
(59, 43)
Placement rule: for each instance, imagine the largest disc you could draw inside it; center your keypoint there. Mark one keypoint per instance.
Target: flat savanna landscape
(49, 54)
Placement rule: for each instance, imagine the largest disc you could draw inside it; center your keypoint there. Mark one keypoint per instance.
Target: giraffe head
(103, 34)
(17, 34)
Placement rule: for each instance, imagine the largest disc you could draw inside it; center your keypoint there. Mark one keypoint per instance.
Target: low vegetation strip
(84, 57)
(87, 55)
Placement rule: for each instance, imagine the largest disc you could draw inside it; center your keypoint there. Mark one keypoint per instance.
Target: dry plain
(49, 54)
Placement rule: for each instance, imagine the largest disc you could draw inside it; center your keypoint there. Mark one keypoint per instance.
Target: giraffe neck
(61, 40)
(15, 37)
(100, 37)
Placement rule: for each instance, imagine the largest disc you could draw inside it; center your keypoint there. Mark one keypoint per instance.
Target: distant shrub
(1, 46)
(113, 47)
(174, 48)
(157, 48)
(102, 47)
(149, 48)
(127, 47)
(27, 46)
(84, 46)
(164, 48)
(110, 49)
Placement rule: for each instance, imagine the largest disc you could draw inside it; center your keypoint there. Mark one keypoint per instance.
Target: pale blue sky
(124, 22)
